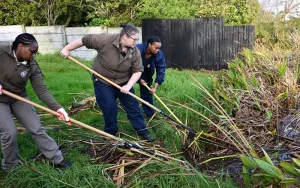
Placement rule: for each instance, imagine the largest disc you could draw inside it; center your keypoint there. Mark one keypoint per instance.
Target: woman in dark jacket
(153, 60)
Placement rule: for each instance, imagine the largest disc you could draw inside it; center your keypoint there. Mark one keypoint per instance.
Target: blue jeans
(106, 96)
(147, 96)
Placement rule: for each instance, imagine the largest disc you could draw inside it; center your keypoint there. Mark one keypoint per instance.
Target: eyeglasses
(33, 52)
(134, 39)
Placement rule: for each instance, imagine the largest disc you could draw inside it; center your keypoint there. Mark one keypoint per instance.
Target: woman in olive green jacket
(120, 61)
(17, 66)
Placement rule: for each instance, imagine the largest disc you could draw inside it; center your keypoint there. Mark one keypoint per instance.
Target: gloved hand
(0, 89)
(63, 115)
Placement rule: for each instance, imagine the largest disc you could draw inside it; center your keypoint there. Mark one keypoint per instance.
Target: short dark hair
(128, 29)
(24, 38)
(153, 39)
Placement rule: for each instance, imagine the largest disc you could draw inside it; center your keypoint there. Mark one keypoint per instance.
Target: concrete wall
(73, 33)
(52, 39)
(9, 33)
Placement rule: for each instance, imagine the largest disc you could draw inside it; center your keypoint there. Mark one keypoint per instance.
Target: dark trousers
(147, 96)
(106, 96)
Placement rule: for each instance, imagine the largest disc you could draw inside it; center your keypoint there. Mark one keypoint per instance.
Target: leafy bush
(262, 171)
(98, 22)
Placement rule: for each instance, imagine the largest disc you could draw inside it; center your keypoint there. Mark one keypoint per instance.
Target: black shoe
(63, 164)
(4, 174)
(148, 137)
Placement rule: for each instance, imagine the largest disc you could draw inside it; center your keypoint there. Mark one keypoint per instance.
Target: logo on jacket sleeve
(23, 73)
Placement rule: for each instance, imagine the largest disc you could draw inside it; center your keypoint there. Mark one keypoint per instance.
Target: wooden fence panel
(162, 29)
(186, 43)
(199, 43)
(182, 58)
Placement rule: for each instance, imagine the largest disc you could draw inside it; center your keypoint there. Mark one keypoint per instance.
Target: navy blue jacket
(156, 62)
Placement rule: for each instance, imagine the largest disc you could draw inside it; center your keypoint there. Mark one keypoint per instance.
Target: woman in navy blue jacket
(153, 61)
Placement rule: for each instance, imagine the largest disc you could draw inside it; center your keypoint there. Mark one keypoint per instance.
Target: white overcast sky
(278, 5)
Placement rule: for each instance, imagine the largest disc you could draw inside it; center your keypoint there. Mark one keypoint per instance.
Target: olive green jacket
(14, 76)
(109, 62)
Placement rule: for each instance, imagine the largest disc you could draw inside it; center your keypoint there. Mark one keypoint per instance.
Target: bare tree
(53, 9)
(282, 8)
(49, 9)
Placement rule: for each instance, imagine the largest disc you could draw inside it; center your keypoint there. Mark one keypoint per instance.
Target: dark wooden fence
(199, 43)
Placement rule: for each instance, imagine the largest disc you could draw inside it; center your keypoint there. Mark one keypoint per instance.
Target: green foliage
(113, 13)
(99, 22)
(257, 78)
(235, 12)
(62, 12)
(246, 177)
(248, 162)
(290, 168)
(228, 82)
(271, 29)
(293, 23)
(262, 170)
(179, 87)
(18, 12)
(70, 83)
(156, 175)
(167, 9)
(43, 12)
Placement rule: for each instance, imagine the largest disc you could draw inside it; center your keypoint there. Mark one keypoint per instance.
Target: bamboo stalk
(216, 158)
(57, 114)
(132, 95)
(120, 180)
(77, 123)
(112, 83)
(163, 104)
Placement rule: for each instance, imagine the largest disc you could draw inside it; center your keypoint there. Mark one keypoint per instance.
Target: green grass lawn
(69, 83)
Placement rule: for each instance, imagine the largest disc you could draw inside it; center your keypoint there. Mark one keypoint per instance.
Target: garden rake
(132, 146)
(191, 134)
(163, 103)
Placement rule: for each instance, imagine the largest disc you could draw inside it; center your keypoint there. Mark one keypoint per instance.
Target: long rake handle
(191, 136)
(133, 147)
(112, 83)
(57, 114)
(163, 104)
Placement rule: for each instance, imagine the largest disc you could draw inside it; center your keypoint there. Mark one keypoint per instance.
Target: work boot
(148, 137)
(63, 164)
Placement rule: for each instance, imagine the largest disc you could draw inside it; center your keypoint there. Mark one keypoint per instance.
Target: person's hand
(65, 53)
(142, 82)
(63, 115)
(125, 89)
(153, 90)
(0, 89)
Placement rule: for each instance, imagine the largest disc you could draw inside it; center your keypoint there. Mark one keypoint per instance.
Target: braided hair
(128, 29)
(25, 39)
(153, 39)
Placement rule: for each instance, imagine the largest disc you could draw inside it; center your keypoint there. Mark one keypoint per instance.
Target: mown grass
(70, 83)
